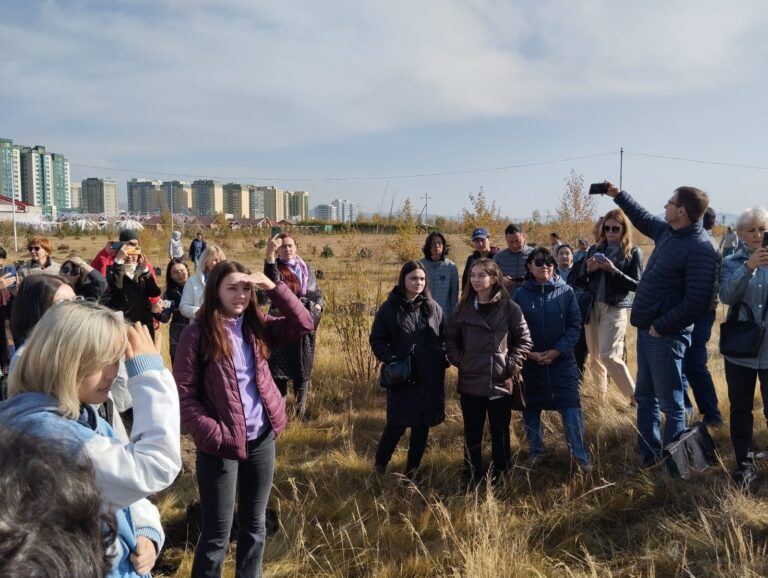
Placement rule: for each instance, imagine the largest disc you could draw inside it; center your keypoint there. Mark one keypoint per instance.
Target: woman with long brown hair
(233, 409)
(611, 272)
(488, 340)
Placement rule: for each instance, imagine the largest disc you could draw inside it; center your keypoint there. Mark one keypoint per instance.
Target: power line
(715, 163)
(362, 178)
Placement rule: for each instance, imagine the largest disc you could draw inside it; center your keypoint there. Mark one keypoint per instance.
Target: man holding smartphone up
(674, 291)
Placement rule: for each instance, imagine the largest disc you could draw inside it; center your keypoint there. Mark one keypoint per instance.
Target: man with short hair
(729, 242)
(481, 241)
(554, 238)
(511, 260)
(674, 291)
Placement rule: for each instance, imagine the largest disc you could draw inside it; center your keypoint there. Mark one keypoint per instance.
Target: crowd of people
(525, 327)
(531, 322)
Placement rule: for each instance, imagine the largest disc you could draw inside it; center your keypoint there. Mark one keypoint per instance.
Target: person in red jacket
(233, 409)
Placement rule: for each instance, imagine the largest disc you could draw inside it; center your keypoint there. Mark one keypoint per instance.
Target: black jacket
(618, 285)
(398, 326)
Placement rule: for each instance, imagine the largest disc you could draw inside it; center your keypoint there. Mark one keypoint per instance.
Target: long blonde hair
(74, 339)
(626, 236)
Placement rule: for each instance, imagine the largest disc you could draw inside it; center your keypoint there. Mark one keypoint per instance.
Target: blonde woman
(83, 343)
(611, 272)
(194, 289)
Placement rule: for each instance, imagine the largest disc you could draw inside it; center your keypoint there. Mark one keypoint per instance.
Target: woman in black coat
(411, 321)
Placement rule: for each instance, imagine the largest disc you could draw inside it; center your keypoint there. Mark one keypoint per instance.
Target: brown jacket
(489, 345)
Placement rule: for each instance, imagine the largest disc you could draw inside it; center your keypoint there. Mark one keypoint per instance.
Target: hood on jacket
(39, 413)
(176, 235)
(533, 285)
(400, 299)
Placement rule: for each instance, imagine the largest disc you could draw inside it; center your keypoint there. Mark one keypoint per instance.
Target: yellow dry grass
(336, 518)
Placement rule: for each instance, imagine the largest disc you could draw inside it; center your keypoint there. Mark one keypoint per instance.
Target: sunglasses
(548, 262)
(34, 248)
(612, 228)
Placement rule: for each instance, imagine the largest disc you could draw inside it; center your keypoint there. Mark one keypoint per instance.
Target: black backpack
(692, 450)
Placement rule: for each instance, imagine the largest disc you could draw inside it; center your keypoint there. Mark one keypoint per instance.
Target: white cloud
(195, 73)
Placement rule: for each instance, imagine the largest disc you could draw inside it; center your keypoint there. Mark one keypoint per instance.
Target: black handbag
(741, 338)
(396, 372)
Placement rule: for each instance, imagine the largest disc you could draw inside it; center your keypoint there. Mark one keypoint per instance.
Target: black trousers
(499, 412)
(416, 446)
(300, 389)
(580, 351)
(741, 394)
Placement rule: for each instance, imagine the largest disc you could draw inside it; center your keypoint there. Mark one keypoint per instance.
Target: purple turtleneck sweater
(256, 421)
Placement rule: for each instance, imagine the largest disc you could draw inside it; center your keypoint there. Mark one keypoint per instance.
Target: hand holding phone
(600, 257)
(598, 188)
(765, 238)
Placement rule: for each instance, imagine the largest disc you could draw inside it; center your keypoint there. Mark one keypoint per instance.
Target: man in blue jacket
(675, 290)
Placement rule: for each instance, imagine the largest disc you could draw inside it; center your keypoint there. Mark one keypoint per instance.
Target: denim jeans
(573, 424)
(697, 374)
(219, 480)
(499, 411)
(659, 386)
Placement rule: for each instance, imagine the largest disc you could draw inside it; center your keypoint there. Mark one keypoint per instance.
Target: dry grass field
(335, 517)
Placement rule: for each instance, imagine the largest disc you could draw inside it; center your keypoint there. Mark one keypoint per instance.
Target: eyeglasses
(30, 249)
(75, 298)
(548, 262)
(671, 202)
(612, 228)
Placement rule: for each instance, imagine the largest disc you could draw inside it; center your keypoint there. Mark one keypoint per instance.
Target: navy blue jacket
(554, 321)
(677, 284)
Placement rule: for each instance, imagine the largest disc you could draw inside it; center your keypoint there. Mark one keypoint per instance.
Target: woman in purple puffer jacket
(233, 409)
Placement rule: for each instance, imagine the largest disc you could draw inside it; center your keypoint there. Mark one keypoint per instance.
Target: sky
(377, 102)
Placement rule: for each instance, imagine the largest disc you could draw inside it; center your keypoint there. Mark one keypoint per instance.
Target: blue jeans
(218, 480)
(696, 372)
(573, 424)
(659, 386)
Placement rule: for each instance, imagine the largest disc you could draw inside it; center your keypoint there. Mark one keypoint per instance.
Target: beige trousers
(605, 341)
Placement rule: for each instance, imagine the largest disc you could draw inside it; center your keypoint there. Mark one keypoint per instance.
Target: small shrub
(365, 253)
(260, 244)
(63, 247)
(312, 249)
(326, 252)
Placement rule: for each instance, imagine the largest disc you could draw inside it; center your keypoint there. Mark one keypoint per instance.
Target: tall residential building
(144, 196)
(255, 202)
(44, 179)
(178, 193)
(299, 207)
(345, 210)
(237, 200)
(274, 203)
(76, 193)
(326, 213)
(99, 196)
(207, 198)
(10, 169)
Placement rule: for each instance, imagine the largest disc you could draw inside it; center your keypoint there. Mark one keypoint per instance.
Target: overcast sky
(324, 96)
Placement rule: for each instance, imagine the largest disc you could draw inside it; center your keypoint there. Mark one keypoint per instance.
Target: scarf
(299, 269)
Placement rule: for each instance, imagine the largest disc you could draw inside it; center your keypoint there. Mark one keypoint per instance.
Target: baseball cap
(480, 233)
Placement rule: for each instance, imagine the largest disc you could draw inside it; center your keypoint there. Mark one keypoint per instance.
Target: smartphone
(9, 270)
(131, 250)
(276, 231)
(598, 189)
(115, 246)
(600, 257)
(765, 238)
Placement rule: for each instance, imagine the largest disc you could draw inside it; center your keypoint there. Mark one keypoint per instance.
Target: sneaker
(744, 476)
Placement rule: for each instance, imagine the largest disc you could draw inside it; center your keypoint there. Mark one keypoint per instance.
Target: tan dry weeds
(337, 519)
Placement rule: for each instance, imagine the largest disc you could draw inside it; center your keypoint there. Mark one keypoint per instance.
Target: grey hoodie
(175, 250)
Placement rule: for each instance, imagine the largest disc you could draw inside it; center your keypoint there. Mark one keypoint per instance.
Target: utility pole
(621, 169)
(426, 198)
